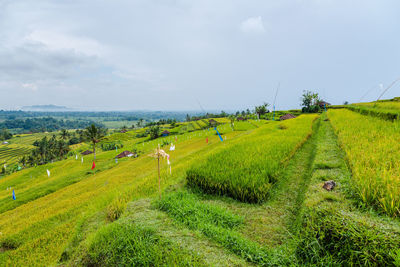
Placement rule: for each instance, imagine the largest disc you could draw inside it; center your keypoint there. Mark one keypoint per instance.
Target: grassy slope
(268, 225)
(39, 230)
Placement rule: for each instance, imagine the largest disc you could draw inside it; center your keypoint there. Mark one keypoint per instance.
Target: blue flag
(14, 195)
(220, 137)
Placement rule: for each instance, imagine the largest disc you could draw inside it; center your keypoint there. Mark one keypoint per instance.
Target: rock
(329, 185)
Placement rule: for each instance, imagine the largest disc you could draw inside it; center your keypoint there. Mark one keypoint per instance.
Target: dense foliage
(111, 146)
(309, 102)
(5, 134)
(46, 151)
(43, 124)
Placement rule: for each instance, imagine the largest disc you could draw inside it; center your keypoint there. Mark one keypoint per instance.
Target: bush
(111, 146)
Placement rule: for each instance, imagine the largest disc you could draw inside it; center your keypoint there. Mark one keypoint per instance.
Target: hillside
(253, 196)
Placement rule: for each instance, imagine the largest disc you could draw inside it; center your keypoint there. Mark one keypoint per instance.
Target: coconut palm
(64, 134)
(93, 134)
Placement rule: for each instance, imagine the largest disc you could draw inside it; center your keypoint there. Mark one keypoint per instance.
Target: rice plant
(247, 170)
(372, 148)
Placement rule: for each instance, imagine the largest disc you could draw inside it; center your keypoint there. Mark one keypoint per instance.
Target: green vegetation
(387, 110)
(247, 170)
(372, 149)
(213, 222)
(124, 244)
(309, 102)
(334, 231)
(254, 199)
(5, 134)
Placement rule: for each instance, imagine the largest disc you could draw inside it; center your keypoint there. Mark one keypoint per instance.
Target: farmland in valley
(252, 195)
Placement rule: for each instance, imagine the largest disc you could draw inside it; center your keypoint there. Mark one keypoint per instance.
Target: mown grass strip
(215, 223)
(123, 243)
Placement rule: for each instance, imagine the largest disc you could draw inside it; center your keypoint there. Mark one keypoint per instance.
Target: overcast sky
(174, 54)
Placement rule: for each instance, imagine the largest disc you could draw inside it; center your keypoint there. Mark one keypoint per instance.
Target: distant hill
(45, 108)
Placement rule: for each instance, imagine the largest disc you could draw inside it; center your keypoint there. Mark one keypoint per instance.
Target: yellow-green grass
(373, 150)
(36, 232)
(10, 154)
(388, 105)
(258, 123)
(243, 125)
(387, 110)
(247, 170)
(28, 139)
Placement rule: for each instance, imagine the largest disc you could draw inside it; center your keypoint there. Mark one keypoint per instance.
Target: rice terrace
(199, 133)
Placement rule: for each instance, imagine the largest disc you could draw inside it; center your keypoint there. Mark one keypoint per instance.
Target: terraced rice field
(261, 200)
(10, 154)
(373, 151)
(248, 170)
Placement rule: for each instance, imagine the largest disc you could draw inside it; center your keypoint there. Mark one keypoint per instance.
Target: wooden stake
(158, 165)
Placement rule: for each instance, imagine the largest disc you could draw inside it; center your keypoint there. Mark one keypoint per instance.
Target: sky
(183, 54)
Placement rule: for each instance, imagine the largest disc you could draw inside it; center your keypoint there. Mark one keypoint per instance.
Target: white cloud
(59, 41)
(253, 25)
(30, 86)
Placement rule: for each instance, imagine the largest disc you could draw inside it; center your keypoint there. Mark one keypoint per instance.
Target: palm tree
(94, 134)
(23, 160)
(261, 110)
(64, 134)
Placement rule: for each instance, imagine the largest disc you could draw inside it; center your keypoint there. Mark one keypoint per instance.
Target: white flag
(82, 159)
(172, 148)
(48, 173)
(76, 157)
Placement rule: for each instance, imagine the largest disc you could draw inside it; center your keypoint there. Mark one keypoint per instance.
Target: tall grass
(373, 150)
(247, 170)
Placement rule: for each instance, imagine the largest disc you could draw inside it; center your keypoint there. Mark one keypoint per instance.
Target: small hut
(123, 131)
(287, 117)
(212, 122)
(87, 152)
(323, 104)
(241, 119)
(5, 143)
(165, 133)
(126, 154)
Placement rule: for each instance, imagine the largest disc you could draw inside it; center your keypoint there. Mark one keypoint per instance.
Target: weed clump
(116, 208)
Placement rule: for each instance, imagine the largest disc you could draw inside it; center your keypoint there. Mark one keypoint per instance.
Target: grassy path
(334, 231)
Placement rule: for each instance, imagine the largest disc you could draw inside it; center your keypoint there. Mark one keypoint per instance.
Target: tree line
(48, 124)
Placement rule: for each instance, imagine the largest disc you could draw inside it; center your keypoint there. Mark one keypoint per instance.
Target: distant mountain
(45, 108)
